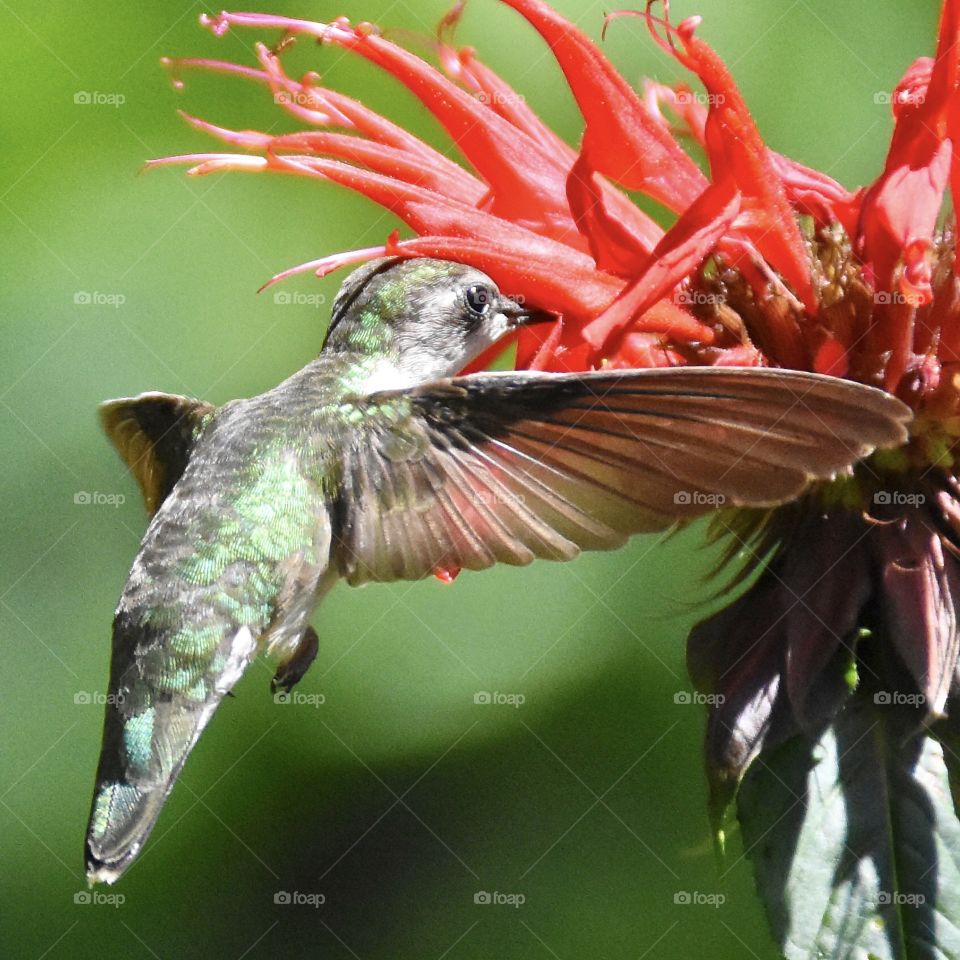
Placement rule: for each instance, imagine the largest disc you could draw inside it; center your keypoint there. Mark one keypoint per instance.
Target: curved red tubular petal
(176, 64)
(831, 358)
(744, 355)
(620, 243)
(682, 102)
(571, 359)
(389, 161)
(463, 65)
(427, 212)
(682, 250)
(900, 210)
(327, 108)
(378, 157)
(945, 82)
(528, 183)
(571, 286)
(816, 194)
(620, 234)
(536, 347)
(670, 319)
(334, 261)
(642, 349)
(621, 141)
(736, 150)
(902, 206)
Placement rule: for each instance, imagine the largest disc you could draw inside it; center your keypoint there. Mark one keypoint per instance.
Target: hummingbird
(377, 462)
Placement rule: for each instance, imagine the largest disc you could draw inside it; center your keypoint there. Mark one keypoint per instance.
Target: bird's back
(235, 553)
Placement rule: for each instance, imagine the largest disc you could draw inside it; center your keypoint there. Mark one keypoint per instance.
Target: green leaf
(855, 841)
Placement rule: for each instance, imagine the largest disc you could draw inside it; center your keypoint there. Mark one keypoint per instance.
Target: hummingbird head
(426, 318)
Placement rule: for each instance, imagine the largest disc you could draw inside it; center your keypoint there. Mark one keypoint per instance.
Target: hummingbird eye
(478, 299)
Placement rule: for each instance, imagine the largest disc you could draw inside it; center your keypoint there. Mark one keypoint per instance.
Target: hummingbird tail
(123, 816)
(140, 760)
(156, 712)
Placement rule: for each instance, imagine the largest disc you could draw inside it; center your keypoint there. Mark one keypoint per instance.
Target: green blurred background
(398, 799)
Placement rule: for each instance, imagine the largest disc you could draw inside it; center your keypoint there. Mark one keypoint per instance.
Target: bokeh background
(387, 793)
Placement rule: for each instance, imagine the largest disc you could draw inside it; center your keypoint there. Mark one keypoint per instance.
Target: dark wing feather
(154, 434)
(468, 472)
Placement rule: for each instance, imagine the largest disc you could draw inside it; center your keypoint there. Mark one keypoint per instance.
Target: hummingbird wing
(153, 434)
(508, 467)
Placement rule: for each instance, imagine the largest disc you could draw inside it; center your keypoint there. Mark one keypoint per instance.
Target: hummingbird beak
(519, 315)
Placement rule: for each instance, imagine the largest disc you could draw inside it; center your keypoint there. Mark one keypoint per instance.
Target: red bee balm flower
(767, 263)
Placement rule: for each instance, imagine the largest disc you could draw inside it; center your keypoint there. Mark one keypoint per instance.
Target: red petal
(816, 194)
(537, 346)
(831, 358)
(491, 89)
(902, 207)
(572, 359)
(620, 239)
(900, 210)
(621, 139)
(320, 106)
(681, 251)
(417, 169)
(642, 350)
(528, 182)
(570, 285)
(736, 150)
(328, 264)
(683, 102)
